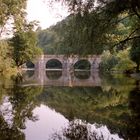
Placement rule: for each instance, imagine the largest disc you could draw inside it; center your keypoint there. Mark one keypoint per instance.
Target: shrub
(108, 62)
(124, 61)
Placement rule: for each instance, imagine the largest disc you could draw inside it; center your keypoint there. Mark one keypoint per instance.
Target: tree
(12, 10)
(25, 47)
(6, 61)
(24, 41)
(94, 22)
(48, 40)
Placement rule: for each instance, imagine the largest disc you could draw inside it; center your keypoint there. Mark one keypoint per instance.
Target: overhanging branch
(136, 12)
(126, 40)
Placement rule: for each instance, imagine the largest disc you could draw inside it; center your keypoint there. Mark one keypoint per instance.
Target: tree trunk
(137, 67)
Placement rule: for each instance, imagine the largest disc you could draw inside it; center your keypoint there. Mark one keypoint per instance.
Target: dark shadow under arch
(82, 65)
(30, 65)
(53, 64)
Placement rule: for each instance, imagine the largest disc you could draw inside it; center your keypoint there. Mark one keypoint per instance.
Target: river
(84, 106)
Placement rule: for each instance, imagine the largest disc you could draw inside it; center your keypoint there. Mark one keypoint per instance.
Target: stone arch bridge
(67, 68)
(67, 61)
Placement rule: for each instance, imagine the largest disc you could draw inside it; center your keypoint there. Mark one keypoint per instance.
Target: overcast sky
(42, 11)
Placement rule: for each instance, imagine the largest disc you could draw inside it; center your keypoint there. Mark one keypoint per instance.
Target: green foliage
(12, 9)
(12, 12)
(69, 37)
(108, 61)
(124, 62)
(119, 61)
(95, 26)
(25, 47)
(6, 61)
(84, 34)
(48, 41)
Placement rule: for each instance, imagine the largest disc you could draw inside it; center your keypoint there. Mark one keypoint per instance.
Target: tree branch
(129, 37)
(1, 30)
(125, 18)
(136, 12)
(126, 40)
(133, 32)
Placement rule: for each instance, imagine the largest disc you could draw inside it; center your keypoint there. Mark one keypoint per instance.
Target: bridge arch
(29, 65)
(54, 64)
(82, 64)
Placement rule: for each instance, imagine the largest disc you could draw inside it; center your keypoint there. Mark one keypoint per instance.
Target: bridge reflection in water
(61, 77)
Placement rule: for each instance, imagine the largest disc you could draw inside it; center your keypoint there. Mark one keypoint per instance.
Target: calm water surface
(83, 106)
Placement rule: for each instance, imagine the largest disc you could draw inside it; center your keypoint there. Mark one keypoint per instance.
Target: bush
(124, 62)
(117, 62)
(108, 62)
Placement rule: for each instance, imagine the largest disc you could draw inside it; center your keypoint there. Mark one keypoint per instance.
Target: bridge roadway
(67, 78)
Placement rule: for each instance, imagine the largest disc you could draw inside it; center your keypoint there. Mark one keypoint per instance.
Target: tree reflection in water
(12, 133)
(134, 104)
(82, 74)
(18, 107)
(53, 75)
(81, 130)
(116, 104)
(24, 101)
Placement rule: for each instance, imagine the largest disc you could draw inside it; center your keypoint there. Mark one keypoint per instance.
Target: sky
(47, 15)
